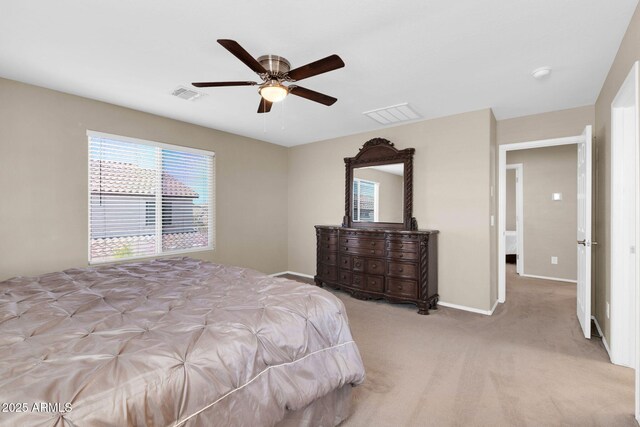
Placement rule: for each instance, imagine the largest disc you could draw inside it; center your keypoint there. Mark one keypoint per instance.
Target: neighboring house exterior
(123, 193)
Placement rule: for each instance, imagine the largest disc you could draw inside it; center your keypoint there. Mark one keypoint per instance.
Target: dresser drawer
(357, 263)
(412, 256)
(329, 258)
(400, 245)
(345, 262)
(362, 243)
(357, 281)
(328, 272)
(345, 277)
(328, 237)
(374, 283)
(324, 246)
(399, 269)
(361, 251)
(374, 266)
(402, 288)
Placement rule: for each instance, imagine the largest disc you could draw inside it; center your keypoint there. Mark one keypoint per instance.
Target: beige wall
(627, 55)
(556, 124)
(493, 209)
(451, 193)
(390, 189)
(549, 226)
(43, 181)
(510, 198)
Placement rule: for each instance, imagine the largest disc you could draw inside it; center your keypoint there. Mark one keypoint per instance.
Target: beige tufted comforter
(168, 342)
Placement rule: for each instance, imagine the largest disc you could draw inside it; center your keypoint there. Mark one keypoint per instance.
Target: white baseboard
(282, 273)
(604, 340)
(471, 309)
(555, 279)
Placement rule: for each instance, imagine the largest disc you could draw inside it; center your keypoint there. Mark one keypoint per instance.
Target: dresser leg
(423, 308)
(318, 283)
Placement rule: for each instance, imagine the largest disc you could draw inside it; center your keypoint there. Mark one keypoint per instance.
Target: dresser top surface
(376, 230)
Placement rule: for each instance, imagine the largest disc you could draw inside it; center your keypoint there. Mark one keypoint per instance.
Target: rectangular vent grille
(184, 93)
(394, 114)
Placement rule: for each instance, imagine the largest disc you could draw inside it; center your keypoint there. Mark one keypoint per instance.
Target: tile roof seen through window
(108, 177)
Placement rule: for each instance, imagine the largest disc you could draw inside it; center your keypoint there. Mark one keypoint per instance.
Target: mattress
(177, 342)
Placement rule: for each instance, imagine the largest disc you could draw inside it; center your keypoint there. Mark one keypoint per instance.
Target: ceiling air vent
(188, 94)
(394, 114)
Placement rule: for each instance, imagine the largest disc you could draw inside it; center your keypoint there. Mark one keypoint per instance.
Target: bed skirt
(329, 410)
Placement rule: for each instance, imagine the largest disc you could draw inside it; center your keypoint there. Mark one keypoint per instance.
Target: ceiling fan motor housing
(275, 65)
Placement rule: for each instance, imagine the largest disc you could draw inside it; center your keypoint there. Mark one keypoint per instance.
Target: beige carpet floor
(527, 365)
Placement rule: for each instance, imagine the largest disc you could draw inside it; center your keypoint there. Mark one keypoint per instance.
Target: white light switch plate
(554, 260)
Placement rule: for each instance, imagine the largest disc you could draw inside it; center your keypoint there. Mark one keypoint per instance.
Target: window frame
(162, 146)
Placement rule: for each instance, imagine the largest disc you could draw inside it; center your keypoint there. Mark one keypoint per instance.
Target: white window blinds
(147, 198)
(365, 200)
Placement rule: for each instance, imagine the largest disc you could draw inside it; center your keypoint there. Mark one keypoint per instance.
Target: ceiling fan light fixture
(273, 91)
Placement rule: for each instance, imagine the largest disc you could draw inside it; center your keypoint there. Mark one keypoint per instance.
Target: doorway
(624, 222)
(514, 233)
(584, 225)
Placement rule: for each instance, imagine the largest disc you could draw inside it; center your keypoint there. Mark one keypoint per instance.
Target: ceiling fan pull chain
(264, 119)
(283, 114)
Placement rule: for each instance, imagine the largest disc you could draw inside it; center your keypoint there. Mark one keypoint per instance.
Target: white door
(520, 219)
(584, 232)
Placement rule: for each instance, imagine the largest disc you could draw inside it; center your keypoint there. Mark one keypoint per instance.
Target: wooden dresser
(395, 265)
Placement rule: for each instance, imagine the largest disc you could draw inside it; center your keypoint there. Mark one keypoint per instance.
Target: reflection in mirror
(378, 193)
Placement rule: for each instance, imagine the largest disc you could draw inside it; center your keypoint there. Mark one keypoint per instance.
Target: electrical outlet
(554, 260)
(608, 312)
(493, 220)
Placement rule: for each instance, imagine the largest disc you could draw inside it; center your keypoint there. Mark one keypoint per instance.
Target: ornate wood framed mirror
(379, 187)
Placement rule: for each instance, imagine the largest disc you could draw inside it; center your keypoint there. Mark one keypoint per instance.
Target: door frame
(502, 190)
(518, 167)
(623, 315)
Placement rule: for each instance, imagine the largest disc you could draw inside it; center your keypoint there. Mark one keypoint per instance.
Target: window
(365, 200)
(148, 198)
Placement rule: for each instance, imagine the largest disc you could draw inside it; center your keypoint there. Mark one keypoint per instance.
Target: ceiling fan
(274, 71)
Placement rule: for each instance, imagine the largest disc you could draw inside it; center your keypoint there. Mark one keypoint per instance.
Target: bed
(511, 246)
(174, 342)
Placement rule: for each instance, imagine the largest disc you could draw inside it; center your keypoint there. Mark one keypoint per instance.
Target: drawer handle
(328, 258)
(358, 264)
(401, 270)
(346, 248)
(400, 287)
(373, 283)
(401, 255)
(374, 266)
(344, 276)
(401, 246)
(373, 251)
(345, 261)
(373, 243)
(328, 246)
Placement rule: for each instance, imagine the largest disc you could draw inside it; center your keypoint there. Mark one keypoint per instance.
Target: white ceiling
(442, 56)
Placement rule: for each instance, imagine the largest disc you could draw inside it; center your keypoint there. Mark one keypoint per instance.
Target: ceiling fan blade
(265, 106)
(312, 95)
(218, 84)
(244, 56)
(320, 66)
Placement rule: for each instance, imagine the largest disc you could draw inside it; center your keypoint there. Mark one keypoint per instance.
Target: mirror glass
(378, 193)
